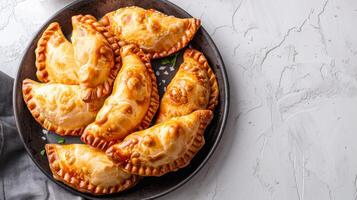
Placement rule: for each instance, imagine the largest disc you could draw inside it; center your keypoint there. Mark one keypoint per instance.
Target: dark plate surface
(35, 138)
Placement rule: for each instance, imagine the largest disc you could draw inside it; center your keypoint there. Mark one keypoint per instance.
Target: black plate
(34, 137)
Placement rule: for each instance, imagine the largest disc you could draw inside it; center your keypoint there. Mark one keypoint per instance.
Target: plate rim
(167, 191)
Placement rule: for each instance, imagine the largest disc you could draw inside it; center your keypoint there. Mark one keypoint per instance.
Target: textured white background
(292, 65)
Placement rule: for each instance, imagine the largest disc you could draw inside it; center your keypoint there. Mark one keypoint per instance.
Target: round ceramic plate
(35, 137)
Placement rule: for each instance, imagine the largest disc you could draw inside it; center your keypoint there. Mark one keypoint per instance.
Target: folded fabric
(19, 176)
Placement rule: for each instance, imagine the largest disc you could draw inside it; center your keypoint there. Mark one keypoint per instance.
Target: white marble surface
(292, 65)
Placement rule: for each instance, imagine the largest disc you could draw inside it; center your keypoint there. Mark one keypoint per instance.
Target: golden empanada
(58, 107)
(159, 35)
(54, 57)
(164, 147)
(194, 87)
(96, 52)
(87, 169)
(132, 104)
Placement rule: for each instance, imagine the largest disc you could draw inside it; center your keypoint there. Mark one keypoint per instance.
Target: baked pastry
(194, 87)
(54, 57)
(164, 147)
(96, 52)
(159, 35)
(132, 104)
(58, 107)
(87, 169)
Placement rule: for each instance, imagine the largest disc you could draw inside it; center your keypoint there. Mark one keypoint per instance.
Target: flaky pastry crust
(194, 87)
(87, 169)
(164, 147)
(132, 104)
(54, 57)
(58, 107)
(159, 35)
(97, 52)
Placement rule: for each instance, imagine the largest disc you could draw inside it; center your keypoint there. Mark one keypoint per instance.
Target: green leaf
(60, 140)
(174, 60)
(43, 152)
(165, 61)
(169, 60)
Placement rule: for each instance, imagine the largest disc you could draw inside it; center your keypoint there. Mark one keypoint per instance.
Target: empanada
(164, 147)
(96, 52)
(58, 107)
(194, 87)
(132, 104)
(54, 57)
(87, 169)
(159, 35)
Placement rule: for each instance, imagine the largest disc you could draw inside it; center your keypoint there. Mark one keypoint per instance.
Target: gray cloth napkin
(19, 176)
